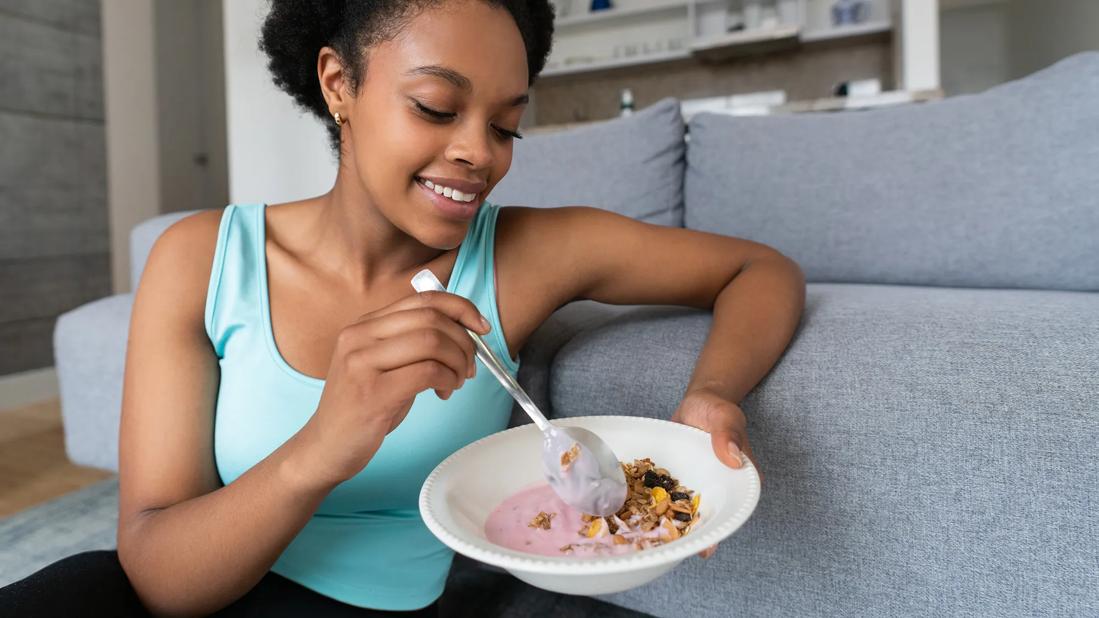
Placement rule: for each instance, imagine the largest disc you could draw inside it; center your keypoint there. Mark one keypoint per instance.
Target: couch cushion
(143, 237)
(632, 166)
(542, 346)
(925, 450)
(997, 189)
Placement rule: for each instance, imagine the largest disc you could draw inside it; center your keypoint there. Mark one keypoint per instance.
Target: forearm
(754, 319)
(199, 555)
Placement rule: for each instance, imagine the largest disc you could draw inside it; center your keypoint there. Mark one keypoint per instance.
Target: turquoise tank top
(366, 545)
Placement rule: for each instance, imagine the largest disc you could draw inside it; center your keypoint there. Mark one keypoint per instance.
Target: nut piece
(570, 456)
(542, 520)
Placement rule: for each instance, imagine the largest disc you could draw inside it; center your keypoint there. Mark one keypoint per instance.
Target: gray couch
(929, 436)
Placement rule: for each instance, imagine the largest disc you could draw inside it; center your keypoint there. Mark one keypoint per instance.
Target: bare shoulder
(177, 273)
(190, 241)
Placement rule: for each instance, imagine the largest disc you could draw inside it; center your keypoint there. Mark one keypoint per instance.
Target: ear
(330, 73)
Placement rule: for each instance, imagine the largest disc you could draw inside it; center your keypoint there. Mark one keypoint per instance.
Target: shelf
(586, 18)
(744, 42)
(615, 63)
(839, 32)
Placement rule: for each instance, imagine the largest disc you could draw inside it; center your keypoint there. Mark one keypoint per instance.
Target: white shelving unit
(649, 8)
(638, 32)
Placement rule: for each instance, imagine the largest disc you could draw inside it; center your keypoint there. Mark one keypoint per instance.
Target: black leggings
(94, 584)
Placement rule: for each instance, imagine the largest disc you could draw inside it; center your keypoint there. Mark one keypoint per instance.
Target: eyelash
(438, 116)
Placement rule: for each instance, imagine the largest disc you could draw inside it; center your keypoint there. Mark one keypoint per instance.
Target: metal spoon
(578, 464)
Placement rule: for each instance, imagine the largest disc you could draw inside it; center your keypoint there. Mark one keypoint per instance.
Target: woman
(274, 431)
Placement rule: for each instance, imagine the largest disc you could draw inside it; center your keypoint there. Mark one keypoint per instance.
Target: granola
(570, 456)
(542, 520)
(657, 510)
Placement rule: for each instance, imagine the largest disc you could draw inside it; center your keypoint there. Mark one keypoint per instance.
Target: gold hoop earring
(339, 120)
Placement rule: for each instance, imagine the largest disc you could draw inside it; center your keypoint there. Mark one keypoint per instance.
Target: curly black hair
(296, 30)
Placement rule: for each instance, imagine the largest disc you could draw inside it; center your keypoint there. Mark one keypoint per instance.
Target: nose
(472, 146)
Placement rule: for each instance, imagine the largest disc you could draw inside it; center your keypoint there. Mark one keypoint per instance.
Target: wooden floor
(33, 465)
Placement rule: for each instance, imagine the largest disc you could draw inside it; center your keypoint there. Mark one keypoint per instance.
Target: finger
(727, 446)
(459, 309)
(416, 346)
(400, 322)
(418, 377)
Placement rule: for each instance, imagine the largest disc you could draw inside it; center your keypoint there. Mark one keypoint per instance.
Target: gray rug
(86, 520)
(81, 521)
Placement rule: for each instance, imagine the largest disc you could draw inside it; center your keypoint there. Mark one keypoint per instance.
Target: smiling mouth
(452, 194)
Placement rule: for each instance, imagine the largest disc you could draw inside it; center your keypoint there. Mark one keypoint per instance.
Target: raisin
(651, 479)
(682, 516)
(679, 495)
(668, 483)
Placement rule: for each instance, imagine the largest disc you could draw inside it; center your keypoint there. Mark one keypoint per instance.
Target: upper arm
(594, 254)
(171, 377)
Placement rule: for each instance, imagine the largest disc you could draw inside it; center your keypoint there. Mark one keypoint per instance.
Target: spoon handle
(425, 281)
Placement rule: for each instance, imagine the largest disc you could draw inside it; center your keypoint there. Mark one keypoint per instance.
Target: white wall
(988, 42)
(276, 152)
(974, 41)
(133, 144)
(1043, 32)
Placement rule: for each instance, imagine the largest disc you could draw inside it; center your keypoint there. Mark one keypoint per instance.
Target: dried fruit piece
(695, 502)
(659, 494)
(597, 527)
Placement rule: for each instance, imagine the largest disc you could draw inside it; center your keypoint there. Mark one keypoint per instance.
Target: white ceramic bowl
(458, 496)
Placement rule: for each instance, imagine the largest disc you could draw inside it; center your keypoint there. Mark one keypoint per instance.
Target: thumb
(726, 447)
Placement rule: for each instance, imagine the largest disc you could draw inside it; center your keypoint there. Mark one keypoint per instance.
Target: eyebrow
(459, 80)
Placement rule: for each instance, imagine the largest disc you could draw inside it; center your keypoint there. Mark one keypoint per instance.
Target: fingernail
(735, 451)
(484, 323)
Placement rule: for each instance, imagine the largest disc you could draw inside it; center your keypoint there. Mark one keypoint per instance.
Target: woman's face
(437, 104)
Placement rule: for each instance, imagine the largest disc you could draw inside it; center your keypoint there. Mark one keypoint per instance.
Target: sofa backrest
(999, 189)
(632, 166)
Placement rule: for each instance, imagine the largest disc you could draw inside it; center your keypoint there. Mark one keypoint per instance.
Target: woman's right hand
(380, 363)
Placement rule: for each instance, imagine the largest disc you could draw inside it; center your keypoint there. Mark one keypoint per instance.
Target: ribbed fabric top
(366, 545)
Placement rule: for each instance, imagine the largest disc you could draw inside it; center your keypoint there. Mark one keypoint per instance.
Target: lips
(463, 185)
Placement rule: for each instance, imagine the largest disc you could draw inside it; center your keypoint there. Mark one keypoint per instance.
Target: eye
(504, 133)
(437, 116)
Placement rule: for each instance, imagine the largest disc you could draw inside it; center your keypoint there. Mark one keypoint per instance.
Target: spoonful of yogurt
(578, 464)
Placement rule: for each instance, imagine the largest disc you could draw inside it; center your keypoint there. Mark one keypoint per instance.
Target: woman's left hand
(727, 426)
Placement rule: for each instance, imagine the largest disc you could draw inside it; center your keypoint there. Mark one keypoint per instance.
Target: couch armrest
(90, 353)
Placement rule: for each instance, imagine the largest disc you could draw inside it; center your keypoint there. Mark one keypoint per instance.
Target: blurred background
(115, 111)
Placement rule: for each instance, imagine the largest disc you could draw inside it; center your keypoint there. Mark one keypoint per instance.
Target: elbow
(131, 551)
(789, 272)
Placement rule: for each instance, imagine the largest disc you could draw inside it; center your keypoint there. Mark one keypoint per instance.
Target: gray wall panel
(54, 236)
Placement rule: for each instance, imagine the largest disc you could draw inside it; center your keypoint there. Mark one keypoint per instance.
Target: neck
(349, 236)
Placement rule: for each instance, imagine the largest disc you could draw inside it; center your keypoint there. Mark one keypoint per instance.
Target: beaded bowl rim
(490, 553)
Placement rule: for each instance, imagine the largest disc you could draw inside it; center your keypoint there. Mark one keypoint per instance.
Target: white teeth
(453, 194)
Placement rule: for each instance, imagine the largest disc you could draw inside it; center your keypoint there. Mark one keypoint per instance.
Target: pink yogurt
(508, 525)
